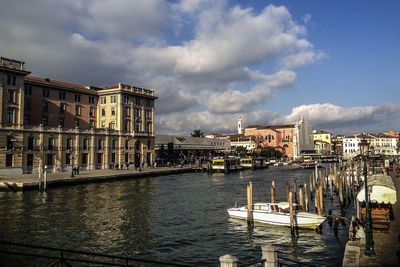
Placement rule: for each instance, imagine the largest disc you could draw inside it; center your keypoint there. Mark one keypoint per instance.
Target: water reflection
(178, 218)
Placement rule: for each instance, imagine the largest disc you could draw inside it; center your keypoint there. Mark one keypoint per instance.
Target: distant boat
(309, 165)
(278, 214)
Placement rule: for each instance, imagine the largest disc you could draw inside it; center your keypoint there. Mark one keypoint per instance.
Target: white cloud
(105, 42)
(345, 120)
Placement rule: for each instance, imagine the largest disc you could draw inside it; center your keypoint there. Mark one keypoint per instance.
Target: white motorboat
(278, 214)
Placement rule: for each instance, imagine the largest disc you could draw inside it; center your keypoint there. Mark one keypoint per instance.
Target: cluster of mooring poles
(342, 180)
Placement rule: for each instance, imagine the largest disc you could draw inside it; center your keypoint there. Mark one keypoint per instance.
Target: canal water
(177, 218)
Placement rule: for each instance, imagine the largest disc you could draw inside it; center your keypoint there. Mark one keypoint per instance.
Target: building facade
(322, 141)
(380, 144)
(279, 137)
(292, 139)
(61, 125)
(303, 139)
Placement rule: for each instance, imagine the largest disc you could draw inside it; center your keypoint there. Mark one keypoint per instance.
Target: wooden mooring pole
(306, 197)
(295, 191)
(301, 206)
(291, 210)
(273, 192)
(249, 203)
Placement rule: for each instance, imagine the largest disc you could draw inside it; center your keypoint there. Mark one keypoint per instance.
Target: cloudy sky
(335, 63)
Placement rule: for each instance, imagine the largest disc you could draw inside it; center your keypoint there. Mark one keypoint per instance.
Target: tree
(241, 150)
(270, 152)
(197, 133)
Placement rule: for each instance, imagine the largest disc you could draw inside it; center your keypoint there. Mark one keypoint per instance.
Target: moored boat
(278, 214)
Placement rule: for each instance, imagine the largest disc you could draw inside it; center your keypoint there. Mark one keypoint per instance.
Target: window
(29, 159)
(127, 111)
(112, 125)
(78, 110)
(11, 79)
(138, 112)
(61, 121)
(63, 108)
(126, 157)
(9, 160)
(85, 144)
(100, 144)
(31, 141)
(61, 95)
(137, 126)
(49, 159)
(10, 142)
(148, 144)
(113, 111)
(27, 105)
(11, 96)
(77, 98)
(91, 112)
(10, 115)
(45, 92)
(45, 107)
(103, 100)
(148, 114)
(127, 144)
(113, 144)
(148, 127)
(91, 99)
(76, 122)
(99, 158)
(45, 120)
(69, 143)
(103, 112)
(67, 158)
(50, 143)
(27, 119)
(28, 90)
(112, 157)
(113, 99)
(103, 124)
(126, 99)
(137, 145)
(84, 158)
(91, 123)
(148, 102)
(127, 123)
(137, 101)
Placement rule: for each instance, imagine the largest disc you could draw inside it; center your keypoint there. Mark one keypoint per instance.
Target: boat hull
(302, 220)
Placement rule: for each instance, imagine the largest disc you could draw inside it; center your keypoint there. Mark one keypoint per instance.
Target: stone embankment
(386, 243)
(31, 181)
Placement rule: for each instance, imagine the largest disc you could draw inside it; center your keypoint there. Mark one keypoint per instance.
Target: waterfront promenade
(31, 181)
(387, 244)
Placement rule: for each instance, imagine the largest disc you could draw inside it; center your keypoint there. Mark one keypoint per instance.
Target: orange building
(279, 137)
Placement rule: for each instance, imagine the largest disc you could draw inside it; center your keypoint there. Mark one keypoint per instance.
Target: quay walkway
(386, 244)
(31, 181)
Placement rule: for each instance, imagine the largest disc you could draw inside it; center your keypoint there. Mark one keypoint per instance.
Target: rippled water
(177, 218)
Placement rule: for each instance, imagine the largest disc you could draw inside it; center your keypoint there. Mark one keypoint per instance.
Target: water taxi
(278, 214)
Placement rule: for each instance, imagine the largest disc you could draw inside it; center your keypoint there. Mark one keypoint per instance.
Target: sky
(334, 63)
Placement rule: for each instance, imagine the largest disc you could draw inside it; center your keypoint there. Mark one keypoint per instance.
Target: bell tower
(240, 125)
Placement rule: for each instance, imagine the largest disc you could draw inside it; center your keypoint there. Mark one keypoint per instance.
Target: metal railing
(65, 257)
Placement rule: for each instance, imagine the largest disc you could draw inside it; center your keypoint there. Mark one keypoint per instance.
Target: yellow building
(61, 125)
(322, 141)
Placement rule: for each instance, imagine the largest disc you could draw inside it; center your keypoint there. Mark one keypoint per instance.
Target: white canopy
(383, 189)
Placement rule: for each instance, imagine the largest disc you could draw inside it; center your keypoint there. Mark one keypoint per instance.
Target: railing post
(228, 261)
(270, 255)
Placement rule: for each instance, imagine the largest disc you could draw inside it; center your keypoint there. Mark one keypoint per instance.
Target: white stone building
(303, 139)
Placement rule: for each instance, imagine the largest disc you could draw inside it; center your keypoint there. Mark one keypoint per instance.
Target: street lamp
(369, 242)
